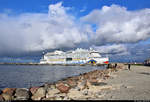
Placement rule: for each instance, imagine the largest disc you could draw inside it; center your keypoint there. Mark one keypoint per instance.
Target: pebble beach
(108, 84)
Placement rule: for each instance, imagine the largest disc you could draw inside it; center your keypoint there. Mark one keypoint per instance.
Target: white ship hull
(74, 57)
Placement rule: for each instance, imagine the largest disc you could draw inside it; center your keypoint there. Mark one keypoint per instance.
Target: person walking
(115, 65)
(108, 66)
(129, 66)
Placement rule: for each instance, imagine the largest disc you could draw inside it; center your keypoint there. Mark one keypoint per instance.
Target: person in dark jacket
(129, 66)
(115, 65)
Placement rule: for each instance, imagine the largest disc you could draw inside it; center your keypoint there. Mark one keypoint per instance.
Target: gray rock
(1, 98)
(40, 93)
(46, 86)
(102, 83)
(7, 97)
(85, 92)
(50, 98)
(51, 92)
(82, 84)
(9, 91)
(22, 94)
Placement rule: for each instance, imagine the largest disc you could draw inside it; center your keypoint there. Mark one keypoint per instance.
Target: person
(129, 66)
(108, 66)
(115, 65)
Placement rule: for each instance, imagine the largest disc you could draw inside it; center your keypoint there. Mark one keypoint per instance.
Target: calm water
(19, 76)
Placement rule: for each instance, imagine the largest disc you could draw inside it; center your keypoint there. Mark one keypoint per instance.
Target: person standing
(129, 66)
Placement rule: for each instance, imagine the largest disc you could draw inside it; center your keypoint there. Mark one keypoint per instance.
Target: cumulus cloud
(118, 49)
(38, 31)
(115, 24)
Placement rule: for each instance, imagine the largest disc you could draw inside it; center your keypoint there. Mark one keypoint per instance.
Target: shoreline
(62, 89)
(53, 64)
(106, 84)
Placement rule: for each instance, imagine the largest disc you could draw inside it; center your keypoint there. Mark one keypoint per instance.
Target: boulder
(22, 94)
(58, 98)
(75, 78)
(61, 96)
(74, 94)
(7, 97)
(39, 94)
(63, 88)
(33, 89)
(51, 92)
(102, 83)
(72, 83)
(106, 76)
(49, 98)
(77, 95)
(9, 91)
(1, 98)
(95, 89)
(82, 84)
(93, 81)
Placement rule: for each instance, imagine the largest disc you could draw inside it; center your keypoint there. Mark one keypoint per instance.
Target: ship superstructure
(78, 56)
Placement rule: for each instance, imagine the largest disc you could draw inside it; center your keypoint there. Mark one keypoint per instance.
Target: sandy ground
(129, 85)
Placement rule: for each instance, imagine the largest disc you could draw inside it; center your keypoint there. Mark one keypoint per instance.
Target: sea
(25, 76)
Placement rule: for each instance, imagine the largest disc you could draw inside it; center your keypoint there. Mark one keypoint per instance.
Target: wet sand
(129, 85)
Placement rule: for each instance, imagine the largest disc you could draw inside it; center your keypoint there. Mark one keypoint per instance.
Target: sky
(119, 29)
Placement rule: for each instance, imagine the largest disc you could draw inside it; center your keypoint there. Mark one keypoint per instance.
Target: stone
(74, 94)
(76, 78)
(58, 98)
(82, 84)
(48, 85)
(85, 92)
(93, 81)
(1, 98)
(66, 98)
(9, 91)
(7, 97)
(33, 89)
(40, 93)
(102, 84)
(107, 76)
(96, 89)
(22, 94)
(72, 83)
(61, 96)
(49, 98)
(63, 88)
(78, 95)
(51, 92)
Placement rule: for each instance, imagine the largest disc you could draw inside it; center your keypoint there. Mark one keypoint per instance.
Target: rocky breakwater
(82, 87)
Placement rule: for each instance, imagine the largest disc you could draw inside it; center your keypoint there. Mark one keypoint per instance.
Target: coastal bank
(113, 83)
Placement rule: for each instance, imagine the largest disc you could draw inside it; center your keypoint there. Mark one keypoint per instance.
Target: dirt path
(129, 85)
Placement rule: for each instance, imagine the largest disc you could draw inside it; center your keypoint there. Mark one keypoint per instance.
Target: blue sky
(121, 27)
(19, 6)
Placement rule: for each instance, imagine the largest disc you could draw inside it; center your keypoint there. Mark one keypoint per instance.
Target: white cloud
(116, 24)
(38, 31)
(118, 49)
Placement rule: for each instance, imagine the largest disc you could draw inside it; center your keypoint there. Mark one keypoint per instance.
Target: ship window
(68, 59)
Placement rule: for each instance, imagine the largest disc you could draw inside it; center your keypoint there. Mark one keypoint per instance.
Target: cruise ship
(78, 56)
